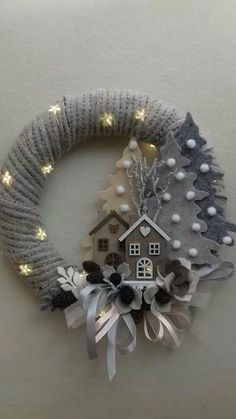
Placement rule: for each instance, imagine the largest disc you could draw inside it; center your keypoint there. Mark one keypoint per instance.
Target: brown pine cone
(63, 300)
(137, 315)
(90, 266)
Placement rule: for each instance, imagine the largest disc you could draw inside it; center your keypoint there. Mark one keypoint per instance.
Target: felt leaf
(66, 287)
(62, 280)
(70, 272)
(61, 271)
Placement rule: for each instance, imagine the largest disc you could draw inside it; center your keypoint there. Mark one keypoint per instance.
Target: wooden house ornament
(107, 249)
(145, 245)
(142, 245)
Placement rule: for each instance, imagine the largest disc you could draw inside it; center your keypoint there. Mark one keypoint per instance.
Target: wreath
(160, 226)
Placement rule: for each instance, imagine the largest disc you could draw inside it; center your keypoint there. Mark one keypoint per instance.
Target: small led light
(140, 115)
(7, 179)
(54, 109)
(40, 233)
(101, 313)
(47, 169)
(152, 146)
(25, 269)
(107, 119)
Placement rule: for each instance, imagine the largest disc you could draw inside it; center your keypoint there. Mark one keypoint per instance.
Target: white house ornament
(161, 223)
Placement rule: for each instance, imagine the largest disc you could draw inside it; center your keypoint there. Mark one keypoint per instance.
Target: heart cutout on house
(144, 231)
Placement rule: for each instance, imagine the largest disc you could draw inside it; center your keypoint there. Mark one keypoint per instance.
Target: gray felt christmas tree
(174, 206)
(209, 178)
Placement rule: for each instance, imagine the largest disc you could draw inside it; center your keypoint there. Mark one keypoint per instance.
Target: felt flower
(180, 280)
(179, 283)
(125, 297)
(159, 299)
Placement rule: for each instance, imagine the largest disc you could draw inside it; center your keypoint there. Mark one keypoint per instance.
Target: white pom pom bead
(171, 162)
(190, 195)
(133, 144)
(120, 190)
(166, 197)
(191, 143)
(204, 168)
(175, 218)
(193, 252)
(196, 227)
(124, 208)
(227, 240)
(211, 211)
(176, 244)
(127, 164)
(180, 175)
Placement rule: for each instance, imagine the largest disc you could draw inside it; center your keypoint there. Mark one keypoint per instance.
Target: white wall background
(183, 52)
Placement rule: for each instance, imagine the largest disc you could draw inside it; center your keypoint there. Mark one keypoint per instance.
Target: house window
(103, 245)
(134, 249)
(144, 269)
(154, 249)
(122, 245)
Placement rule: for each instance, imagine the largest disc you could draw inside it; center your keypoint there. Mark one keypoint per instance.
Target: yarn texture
(44, 141)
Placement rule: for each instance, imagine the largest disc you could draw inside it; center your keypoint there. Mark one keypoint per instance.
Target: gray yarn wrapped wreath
(178, 201)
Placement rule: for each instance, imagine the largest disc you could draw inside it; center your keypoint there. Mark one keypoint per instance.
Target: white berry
(191, 143)
(175, 218)
(124, 208)
(127, 164)
(180, 175)
(166, 197)
(193, 252)
(204, 168)
(176, 244)
(120, 190)
(227, 240)
(133, 144)
(190, 195)
(196, 227)
(211, 211)
(171, 162)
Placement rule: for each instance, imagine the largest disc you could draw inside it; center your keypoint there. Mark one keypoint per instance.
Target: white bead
(180, 175)
(175, 218)
(211, 211)
(176, 244)
(196, 227)
(127, 164)
(191, 143)
(227, 240)
(124, 208)
(166, 197)
(190, 195)
(171, 162)
(204, 168)
(120, 190)
(193, 252)
(133, 144)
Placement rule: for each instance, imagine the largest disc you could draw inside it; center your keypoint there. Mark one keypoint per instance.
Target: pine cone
(63, 299)
(90, 266)
(126, 294)
(95, 278)
(137, 315)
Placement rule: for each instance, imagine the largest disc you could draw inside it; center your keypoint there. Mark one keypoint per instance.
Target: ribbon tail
(129, 322)
(91, 325)
(75, 316)
(111, 350)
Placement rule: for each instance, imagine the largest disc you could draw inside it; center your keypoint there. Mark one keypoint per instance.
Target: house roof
(106, 219)
(150, 222)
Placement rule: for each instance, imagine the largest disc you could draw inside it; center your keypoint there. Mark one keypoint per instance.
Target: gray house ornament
(145, 247)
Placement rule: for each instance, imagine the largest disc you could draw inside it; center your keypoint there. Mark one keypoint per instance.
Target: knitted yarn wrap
(43, 141)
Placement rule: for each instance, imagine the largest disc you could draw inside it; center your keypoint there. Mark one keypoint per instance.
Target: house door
(113, 259)
(144, 269)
